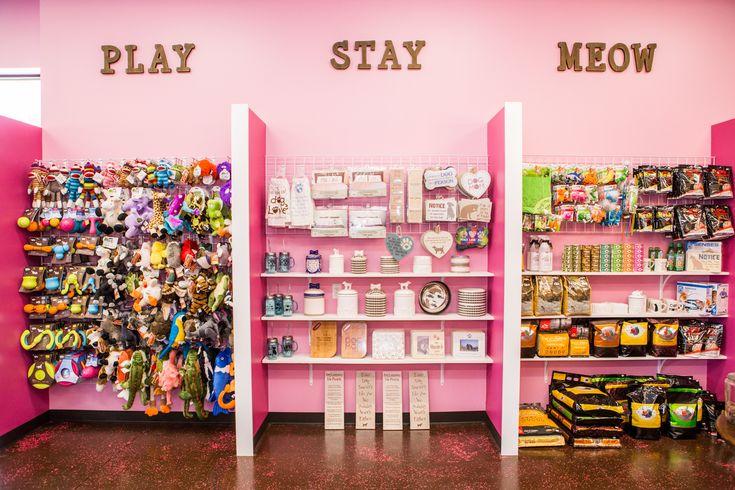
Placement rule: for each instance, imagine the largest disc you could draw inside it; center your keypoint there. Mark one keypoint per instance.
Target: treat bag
(302, 206)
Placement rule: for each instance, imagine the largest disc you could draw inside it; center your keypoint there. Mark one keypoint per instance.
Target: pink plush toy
(169, 378)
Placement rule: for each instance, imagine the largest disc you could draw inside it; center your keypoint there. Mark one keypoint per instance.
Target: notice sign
(334, 400)
(392, 400)
(418, 392)
(365, 400)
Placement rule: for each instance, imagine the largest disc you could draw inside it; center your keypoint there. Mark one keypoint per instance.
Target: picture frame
(427, 344)
(469, 344)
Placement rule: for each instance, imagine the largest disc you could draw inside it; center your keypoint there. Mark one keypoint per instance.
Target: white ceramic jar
(404, 301)
(422, 264)
(347, 301)
(313, 300)
(336, 262)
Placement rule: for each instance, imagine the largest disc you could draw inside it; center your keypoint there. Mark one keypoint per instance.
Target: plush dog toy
(147, 294)
(205, 171)
(158, 255)
(112, 214)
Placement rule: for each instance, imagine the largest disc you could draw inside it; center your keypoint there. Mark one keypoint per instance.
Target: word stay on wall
(342, 61)
(618, 57)
(159, 63)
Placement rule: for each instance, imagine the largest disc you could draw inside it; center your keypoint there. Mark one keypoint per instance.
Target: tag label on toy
(114, 192)
(434, 179)
(98, 178)
(137, 192)
(440, 210)
(109, 242)
(61, 179)
(131, 179)
(474, 210)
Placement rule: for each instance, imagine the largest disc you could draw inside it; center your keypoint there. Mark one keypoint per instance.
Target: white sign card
(392, 400)
(334, 400)
(365, 400)
(418, 391)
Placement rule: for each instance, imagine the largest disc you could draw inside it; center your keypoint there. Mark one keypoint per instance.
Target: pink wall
(19, 33)
(275, 56)
(723, 148)
(20, 144)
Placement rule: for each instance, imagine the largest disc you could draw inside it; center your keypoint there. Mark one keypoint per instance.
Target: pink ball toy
(66, 224)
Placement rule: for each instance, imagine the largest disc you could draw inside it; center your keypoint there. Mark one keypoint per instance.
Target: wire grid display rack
(289, 167)
(632, 163)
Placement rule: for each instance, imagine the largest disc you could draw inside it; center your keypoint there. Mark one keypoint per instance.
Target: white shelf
(418, 317)
(615, 359)
(304, 359)
(654, 274)
(643, 315)
(348, 275)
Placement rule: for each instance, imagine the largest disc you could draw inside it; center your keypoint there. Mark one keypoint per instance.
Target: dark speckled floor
(304, 456)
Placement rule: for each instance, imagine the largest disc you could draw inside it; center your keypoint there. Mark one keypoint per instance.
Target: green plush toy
(214, 213)
(137, 379)
(217, 296)
(192, 388)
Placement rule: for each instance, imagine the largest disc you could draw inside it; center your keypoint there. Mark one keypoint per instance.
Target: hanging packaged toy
(561, 194)
(566, 212)
(646, 178)
(718, 182)
(687, 182)
(583, 213)
(578, 195)
(663, 219)
(643, 219)
(719, 221)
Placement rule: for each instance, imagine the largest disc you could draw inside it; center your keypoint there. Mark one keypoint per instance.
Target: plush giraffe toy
(156, 223)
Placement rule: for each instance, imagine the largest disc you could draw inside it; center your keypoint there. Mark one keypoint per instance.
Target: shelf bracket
(546, 372)
(311, 375)
(662, 280)
(660, 365)
(442, 325)
(441, 374)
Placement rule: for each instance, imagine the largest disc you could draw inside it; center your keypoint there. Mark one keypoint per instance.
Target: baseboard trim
(493, 431)
(318, 417)
(137, 417)
(258, 436)
(23, 429)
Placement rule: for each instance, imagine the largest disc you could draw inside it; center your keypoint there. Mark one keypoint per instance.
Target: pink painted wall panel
(496, 264)
(19, 33)
(723, 149)
(256, 156)
(290, 391)
(20, 144)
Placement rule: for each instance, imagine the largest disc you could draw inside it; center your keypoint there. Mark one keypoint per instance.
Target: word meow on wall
(618, 57)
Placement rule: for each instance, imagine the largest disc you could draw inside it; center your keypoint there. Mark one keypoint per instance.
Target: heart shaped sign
(398, 246)
(474, 183)
(437, 243)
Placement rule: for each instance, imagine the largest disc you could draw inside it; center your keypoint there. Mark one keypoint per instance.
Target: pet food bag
(683, 404)
(571, 425)
(689, 222)
(718, 182)
(687, 181)
(579, 341)
(692, 334)
(527, 296)
(577, 296)
(719, 221)
(606, 338)
(528, 339)
(647, 408)
(713, 340)
(664, 335)
(633, 338)
(535, 429)
(553, 344)
(549, 294)
(586, 400)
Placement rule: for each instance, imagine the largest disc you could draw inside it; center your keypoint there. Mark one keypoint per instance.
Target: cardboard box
(720, 297)
(695, 297)
(704, 256)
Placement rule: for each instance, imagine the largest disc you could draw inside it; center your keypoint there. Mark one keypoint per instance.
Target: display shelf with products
(624, 359)
(304, 359)
(373, 275)
(638, 315)
(418, 317)
(642, 273)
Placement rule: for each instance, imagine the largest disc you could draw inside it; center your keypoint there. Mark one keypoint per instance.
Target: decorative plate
(434, 297)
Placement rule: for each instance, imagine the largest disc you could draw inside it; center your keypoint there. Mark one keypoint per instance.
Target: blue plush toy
(221, 379)
(164, 174)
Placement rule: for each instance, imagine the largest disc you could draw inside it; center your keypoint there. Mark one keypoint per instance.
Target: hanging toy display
(133, 285)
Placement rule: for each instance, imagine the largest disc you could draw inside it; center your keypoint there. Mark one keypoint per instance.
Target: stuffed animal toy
(192, 388)
(108, 369)
(199, 296)
(225, 330)
(173, 254)
(134, 224)
(164, 174)
(37, 184)
(89, 196)
(205, 172)
(158, 255)
(70, 285)
(143, 256)
(172, 222)
(160, 327)
(123, 369)
(73, 185)
(223, 254)
(191, 326)
(147, 294)
(136, 381)
(53, 189)
(182, 291)
(109, 175)
(221, 379)
(214, 214)
(224, 171)
(141, 204)
(155, 223)
(177, 334)
(41, 373)
(217, 296)
(112, 214)
(105, 260)
(189, 251)
(169, 379)
(150, 172)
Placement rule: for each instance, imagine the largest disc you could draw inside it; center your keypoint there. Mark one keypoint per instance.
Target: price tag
(109, 242)
(137, 192)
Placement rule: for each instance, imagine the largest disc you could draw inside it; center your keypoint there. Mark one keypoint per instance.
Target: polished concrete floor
(136, 457)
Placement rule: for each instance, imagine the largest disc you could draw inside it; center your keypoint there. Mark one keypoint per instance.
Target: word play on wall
(159, 63)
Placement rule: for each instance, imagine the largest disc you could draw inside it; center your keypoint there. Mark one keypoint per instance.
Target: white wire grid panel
(631, 162)
(290, 166)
